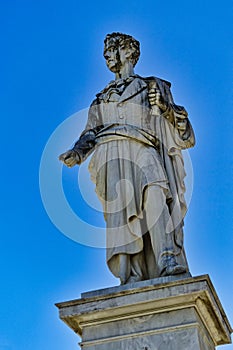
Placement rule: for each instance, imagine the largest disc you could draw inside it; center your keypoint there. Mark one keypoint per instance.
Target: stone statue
(137, 133)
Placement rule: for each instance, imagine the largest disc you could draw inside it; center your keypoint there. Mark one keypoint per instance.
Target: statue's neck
(126, 71)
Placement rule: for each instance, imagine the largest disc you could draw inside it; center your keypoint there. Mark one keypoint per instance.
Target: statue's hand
(181, 124)
(156, 99)
(70, 158)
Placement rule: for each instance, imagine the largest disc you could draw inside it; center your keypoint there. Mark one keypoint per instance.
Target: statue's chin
(113, 68)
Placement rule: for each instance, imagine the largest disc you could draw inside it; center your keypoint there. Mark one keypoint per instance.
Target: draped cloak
(135, 146)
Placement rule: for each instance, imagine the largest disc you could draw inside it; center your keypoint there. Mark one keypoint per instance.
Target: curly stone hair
(117, 39)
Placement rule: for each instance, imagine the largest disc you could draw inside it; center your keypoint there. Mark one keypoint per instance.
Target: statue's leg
(161, 232)
(138, 271)
(124, 267)
(132, 267)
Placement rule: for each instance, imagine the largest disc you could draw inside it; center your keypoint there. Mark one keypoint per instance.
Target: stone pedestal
(169, 313)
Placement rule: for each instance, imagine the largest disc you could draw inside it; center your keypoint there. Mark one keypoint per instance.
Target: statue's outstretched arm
(86, 143)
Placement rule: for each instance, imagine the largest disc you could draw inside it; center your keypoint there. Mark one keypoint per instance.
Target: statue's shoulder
(153, 78)
(106, 88)
(94, 102)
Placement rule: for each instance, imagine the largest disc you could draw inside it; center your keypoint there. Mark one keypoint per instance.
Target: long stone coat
(135, 146)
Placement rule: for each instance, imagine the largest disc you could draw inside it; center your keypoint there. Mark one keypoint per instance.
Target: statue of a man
(137, 134)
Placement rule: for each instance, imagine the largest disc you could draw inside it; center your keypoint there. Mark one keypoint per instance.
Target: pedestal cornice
(147, 298)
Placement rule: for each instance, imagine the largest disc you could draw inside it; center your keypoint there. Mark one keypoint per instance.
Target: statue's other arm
(160, 96)
(86, 143)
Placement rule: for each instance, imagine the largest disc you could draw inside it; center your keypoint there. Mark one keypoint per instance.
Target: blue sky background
(51, 67)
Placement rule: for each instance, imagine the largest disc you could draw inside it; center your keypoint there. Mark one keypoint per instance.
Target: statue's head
(114, 44)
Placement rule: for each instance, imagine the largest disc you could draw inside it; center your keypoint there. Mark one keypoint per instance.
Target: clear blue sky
(51, 67)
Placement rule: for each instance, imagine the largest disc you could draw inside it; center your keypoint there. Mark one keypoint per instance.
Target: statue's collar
(124, 88)
(118, 83)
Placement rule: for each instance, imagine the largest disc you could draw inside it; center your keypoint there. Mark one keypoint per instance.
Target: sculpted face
(117, 56)
(120, 50)
(111, 56)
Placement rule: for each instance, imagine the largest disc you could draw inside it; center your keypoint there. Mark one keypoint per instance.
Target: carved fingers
(181, 124)
(155, 98)
(70, 158)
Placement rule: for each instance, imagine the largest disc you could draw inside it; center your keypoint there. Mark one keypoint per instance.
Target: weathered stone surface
(160, 314)
(137, 133)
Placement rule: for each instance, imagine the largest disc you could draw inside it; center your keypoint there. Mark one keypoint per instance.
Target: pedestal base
(166, 313)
